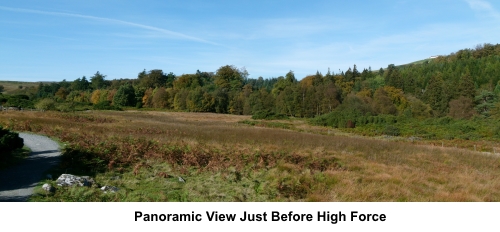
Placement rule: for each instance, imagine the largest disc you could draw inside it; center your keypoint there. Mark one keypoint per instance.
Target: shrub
(391, 130)
(65, 107)
(19, 101)
(9, 141)
(445, 120)
(269, 115)
(46, 104)
(105, 105)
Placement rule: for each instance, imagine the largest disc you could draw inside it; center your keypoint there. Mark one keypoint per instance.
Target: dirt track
(17, 183)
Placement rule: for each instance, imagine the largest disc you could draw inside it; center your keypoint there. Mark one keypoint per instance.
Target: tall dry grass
(228, 161)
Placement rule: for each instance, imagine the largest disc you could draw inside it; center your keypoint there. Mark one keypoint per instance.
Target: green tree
(466, 86)
(365, 74)
(287, 101)
(61, 93)
(180, 99)
(418, 108)
(355, 72)
(237, 104)
(382, 103)
(290, 77)
(331, 97)
(280, 85)
(434, 95)
(349, 76)
(160, 98)
(46, 104)
(80, 84)
(221, 100)
(97, 81)
(381, 72)
(187, 81)
(229, 78)
(194, 100)
(485, 102)
(125, 96)
(208, 102)
(153, 79)
(169, 80)
(393, 77)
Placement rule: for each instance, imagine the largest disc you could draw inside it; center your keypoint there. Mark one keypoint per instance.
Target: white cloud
(115, 21)
(484, 7)
(479, 5)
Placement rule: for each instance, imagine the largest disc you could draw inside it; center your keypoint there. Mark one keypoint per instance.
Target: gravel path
(17, 183)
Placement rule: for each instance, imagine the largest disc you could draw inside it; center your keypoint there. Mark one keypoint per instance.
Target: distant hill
(11, 87)
(424, 61)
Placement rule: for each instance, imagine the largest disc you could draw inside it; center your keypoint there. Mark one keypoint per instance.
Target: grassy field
(233, 158)
(11, 87)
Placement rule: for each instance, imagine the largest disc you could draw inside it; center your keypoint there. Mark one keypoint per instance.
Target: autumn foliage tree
(461, 108)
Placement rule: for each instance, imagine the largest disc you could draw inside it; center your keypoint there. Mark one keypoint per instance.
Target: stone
(47, 187)
(112, 189)
(413, 138)
(181, 179)
(71, 180)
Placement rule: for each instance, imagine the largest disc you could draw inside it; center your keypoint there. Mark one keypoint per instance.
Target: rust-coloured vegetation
(223, 160)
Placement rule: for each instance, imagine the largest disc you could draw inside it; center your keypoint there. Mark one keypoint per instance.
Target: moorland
(225, 158)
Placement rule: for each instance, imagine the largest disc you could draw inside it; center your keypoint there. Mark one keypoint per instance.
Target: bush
(65, 107)
(105, 105)
(21, 101)
(9, 141)
(445, 120)
(269, 115)
(339, 118)
(46, 104)
(392, 130)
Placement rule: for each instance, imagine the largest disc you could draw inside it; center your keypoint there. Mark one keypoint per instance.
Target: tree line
(463, 84)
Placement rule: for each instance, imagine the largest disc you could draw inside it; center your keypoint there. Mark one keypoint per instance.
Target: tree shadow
(20, 178)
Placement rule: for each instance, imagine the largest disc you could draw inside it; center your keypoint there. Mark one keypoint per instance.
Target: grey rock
(112, 189)
(47, 187)
(414, 138)
(71, 180)
(181, 179)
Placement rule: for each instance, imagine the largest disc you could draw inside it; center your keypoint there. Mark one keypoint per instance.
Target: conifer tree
(466, 86)
(434, 94)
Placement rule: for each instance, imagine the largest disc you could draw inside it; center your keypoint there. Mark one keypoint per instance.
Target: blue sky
(56, 40)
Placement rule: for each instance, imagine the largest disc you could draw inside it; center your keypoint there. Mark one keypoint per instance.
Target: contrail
(116, 21)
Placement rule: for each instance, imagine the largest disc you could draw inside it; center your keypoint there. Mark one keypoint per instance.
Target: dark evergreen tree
(466, 86)
(97, 81)
(434, 95)
(125, 96)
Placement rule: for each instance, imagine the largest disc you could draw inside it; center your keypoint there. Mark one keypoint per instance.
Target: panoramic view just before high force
(250, 101)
